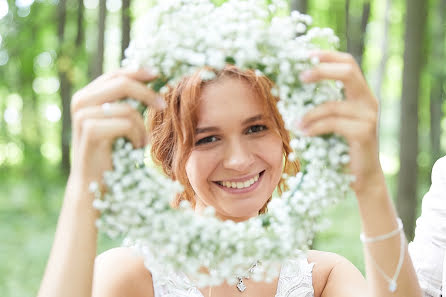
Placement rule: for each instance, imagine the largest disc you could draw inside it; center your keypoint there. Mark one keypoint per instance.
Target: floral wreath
(249, 34)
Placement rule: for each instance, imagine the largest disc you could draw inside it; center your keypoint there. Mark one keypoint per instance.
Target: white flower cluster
(175, 39)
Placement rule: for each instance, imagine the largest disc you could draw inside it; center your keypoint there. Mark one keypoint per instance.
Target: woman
(234, 138)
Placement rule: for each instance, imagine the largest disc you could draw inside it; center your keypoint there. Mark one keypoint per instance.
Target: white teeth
(240, 185)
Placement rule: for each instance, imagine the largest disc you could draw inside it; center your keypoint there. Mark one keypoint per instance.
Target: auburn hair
(173, 128)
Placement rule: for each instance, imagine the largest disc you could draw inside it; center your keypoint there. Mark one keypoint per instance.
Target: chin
(242, 212)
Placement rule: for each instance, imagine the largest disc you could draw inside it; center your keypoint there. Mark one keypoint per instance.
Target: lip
(242, 179)
(244, 190)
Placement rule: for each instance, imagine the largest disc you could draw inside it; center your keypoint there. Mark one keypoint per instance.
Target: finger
(339, 109)
(349, 74)
(325, 56)
(97, 130)
(115, 89)
(142, 75)
(120, 111)
(352, 129)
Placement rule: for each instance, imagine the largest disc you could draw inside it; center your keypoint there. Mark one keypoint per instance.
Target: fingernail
(303, 131)
(302, 128)
(148, 74)
(305, 76)
(314, 53)
(161, 104)
(148, 71)
(298, 124)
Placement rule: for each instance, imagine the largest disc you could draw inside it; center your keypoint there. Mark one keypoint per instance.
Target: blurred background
(49, 49)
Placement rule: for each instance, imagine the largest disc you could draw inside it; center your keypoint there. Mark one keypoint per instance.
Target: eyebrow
(245, 122)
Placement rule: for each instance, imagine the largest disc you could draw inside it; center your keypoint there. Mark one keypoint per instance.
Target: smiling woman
(252, 143)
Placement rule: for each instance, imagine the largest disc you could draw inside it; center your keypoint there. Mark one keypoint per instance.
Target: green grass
(28, 213)
(342, 234)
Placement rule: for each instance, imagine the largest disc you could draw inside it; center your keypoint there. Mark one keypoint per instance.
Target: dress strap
(174, 285)
(295, 280)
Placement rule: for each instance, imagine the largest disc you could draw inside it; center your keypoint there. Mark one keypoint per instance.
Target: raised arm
(97, 121)
(356, 120)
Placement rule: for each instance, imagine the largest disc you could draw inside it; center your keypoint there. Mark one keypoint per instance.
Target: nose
(238, 156)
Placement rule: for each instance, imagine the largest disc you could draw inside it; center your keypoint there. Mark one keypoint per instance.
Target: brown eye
(205, 140)
(256, 129)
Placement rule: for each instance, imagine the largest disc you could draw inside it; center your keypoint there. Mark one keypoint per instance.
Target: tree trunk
(62, 17)
(384, 51)
(348, 33)
(65, 91)
(438, 75)
(364, 22)
(99, 62)
(337, 18)
(125, 26)
(80, 24)
(355, 29)
(413, 59)
(299, 5)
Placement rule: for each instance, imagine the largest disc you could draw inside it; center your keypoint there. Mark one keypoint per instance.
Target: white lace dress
(295, 280)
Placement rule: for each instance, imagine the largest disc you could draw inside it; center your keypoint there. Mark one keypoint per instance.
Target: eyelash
(213, 138)
(263, 128)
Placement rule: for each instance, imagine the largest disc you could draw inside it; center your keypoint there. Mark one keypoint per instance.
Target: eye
(256, 129)
(206, 140)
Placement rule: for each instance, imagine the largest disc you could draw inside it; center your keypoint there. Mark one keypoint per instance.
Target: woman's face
(237, 160)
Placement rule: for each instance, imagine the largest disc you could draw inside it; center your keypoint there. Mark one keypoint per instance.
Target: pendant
(392, 286)
(241, 285)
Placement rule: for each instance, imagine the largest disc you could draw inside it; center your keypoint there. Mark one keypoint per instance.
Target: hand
(355, 118)
(96, 126)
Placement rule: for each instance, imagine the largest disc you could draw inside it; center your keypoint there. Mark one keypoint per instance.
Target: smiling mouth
(240, 184)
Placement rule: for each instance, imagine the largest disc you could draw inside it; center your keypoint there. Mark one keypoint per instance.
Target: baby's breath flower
(175, 39)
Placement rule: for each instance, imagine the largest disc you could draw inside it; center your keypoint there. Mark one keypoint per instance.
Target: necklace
(240, 284)
(241, 287)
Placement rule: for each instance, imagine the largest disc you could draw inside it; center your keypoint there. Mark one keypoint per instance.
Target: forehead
(229, 99)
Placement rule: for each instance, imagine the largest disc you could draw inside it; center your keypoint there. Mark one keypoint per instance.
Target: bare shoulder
(334, 275)
(120, 272)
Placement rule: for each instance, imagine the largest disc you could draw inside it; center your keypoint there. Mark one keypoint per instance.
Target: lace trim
(295, 280)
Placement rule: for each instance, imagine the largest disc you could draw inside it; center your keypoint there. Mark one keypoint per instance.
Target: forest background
(51, 48)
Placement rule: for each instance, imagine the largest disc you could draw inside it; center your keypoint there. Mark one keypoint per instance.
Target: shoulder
(334, 275)
(120, 272)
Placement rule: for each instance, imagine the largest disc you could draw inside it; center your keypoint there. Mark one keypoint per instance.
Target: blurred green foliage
(32, 57)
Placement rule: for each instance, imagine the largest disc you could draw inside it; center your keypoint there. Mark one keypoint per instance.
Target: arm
(119, 273)
(69, 270)
(356, 120)
(70, 267)
(330, 270)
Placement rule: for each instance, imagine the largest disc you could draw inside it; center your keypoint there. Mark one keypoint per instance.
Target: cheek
(198, 168)
(273, 155)
(191, 170)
